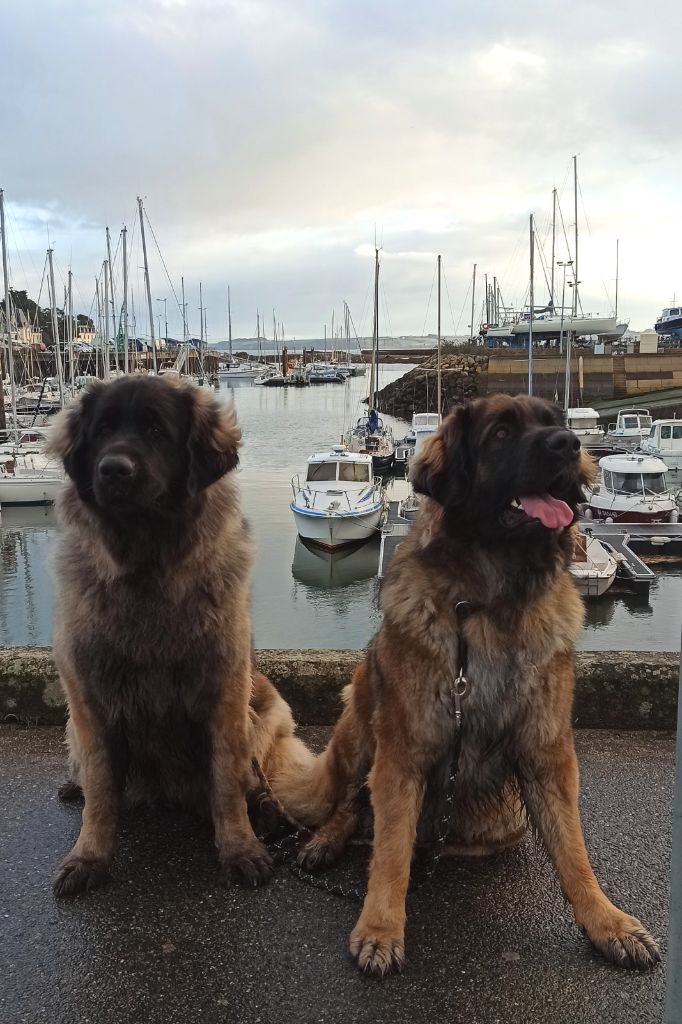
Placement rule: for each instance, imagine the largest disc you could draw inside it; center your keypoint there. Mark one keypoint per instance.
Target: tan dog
(501, 479)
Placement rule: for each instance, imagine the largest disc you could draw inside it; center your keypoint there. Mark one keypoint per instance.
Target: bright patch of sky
(272, 140)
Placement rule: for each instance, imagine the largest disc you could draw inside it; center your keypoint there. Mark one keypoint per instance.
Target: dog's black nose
(563, 442)
(116, 467)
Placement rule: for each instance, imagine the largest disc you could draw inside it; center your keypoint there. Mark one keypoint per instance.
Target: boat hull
(334, 531)
(17, 491)
(631, 516)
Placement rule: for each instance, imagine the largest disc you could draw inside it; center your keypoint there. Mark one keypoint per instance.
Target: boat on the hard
(669, 323)
(339, 502)
(632, 488)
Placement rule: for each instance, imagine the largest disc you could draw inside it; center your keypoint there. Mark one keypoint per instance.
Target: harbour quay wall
(614, 689)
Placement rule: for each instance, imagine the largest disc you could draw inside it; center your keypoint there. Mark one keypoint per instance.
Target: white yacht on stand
(339, 502)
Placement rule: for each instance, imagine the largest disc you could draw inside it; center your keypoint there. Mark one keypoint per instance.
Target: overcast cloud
(269, 137)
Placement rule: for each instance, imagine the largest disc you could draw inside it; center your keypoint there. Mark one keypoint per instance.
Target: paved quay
(488, 942)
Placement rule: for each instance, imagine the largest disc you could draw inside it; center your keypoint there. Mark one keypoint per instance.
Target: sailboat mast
(146, 280)
(69, 330)
(124, 240)
(531, 302)
(439, 395)
(616, 309)
(105, 271)
(111, 287)
(229, 321)
(55, 330)
(372, 368)
(8, 328)
(99, 330)
(551, 285)
(473, 301)
(184, 312)
(576, 279)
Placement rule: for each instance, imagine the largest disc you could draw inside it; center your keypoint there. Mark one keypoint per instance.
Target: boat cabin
(633, 474)
(631, 423)
(341, 466)
(665, 442)
(582, 419)
(424, 424)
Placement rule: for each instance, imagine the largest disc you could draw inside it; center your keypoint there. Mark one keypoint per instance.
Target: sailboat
(27, 477)
(234, 369)
(370, 436)
(548, 323)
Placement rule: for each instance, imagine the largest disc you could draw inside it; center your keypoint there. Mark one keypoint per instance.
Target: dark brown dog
(501, 480)
(152, 633)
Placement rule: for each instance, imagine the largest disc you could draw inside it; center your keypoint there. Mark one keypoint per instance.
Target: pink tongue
(552, 512)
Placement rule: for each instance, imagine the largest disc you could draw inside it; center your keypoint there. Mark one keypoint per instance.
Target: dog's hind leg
(550, 787)
(72, 790)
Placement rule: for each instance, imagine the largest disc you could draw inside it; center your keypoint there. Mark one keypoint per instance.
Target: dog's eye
(103, 429)
(502, 433)
(154, 430)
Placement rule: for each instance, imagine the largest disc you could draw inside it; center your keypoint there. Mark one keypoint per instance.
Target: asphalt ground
(487, 941)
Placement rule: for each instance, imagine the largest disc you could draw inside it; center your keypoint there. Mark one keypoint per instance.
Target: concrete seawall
(614, 689)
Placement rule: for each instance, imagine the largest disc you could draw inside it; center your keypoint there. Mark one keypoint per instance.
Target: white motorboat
(585, 425)
(632, 489)
(593, 568)
(424, 424)
(234, 370)
(272, 377)
(339, 502)
(630, 428)
(665, 442)
(29, 478)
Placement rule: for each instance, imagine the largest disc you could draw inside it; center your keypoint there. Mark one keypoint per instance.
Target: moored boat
(339, 502)
(630, 428)
(593, 568)
(632, 489)
(665, 442)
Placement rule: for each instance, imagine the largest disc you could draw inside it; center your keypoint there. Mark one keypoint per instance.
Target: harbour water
(303, 598)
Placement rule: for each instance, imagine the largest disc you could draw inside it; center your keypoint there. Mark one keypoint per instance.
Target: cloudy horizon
(272, 140)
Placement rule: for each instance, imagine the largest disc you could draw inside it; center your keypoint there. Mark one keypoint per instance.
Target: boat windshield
(645, 422)
(630, 422)
(357, 472)
(635, 483)
(654, 483)
(322, 471)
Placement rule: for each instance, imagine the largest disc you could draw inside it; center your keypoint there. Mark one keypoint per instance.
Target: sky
(273, 140)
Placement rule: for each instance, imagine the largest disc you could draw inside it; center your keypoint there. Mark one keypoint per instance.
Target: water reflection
(330, 570)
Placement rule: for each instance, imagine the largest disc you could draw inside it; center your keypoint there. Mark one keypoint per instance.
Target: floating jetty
(626, 541)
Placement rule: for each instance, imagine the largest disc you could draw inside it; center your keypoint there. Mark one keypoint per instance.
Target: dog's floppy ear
(587, 468)
(67, 439)
(214, 439)
(442, 470)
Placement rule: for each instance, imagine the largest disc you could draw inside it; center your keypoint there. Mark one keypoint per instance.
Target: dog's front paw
(625, 942)
(79, 874)
(248, 865)
(377, 950)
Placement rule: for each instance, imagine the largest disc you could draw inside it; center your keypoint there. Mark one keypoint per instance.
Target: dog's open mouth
(551, 512)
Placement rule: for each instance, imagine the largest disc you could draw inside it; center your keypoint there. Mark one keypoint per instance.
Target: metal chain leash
(285, 849)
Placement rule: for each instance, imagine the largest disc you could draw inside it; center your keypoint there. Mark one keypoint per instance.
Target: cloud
(271, 138)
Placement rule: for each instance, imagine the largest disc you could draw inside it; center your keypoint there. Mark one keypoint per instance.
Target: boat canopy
(632, 464)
